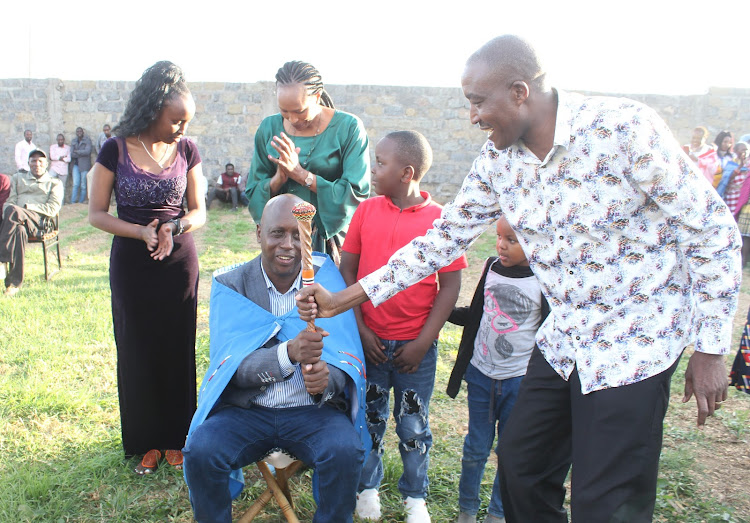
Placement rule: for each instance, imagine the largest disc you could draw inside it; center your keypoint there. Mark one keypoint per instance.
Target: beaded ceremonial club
(304, 213)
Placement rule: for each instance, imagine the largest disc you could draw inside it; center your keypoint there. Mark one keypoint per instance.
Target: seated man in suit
(273, 385)
(34, 194)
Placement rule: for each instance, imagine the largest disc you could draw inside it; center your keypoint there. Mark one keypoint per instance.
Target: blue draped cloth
(238, 326)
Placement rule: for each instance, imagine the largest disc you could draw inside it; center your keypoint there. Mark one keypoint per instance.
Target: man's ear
(257, 232)
(407, 174)
(520, 90)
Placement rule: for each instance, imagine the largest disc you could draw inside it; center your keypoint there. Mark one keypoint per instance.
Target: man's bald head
(515, 59)
(278, 236)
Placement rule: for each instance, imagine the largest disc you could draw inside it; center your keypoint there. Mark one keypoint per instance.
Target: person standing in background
(23, 148)
(81, 153)
(59, 156)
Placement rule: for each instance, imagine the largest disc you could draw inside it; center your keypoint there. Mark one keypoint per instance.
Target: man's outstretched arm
(317, 302)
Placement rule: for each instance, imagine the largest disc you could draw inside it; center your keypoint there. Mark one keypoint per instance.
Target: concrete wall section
(228, 114)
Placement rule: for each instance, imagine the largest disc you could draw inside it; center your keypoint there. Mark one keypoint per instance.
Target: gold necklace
(158, 162)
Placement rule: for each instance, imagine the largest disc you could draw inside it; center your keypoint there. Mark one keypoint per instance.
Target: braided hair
(159, 84)
(297, 72)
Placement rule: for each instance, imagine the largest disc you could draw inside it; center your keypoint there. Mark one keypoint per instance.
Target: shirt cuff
(287, 367)
(376, 285)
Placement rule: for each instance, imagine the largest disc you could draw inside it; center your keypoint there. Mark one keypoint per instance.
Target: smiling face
(278, 236)
(27, 136)
(60, 140)
(173, 119)
(37, 165)
(298, 107)
(494, 103)
(508, 248)
(698, 139)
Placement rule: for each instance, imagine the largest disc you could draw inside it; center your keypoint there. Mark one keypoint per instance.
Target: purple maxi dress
(154, 304)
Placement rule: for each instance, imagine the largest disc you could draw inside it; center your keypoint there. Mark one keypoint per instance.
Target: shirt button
(561, 237)
(552, 202)
(571, 272)
(578, 337)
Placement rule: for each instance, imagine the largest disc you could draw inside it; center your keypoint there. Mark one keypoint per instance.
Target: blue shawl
(238, 326)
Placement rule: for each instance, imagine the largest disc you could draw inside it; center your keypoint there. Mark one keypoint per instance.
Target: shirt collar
(563, 124)
(296, 286)
(413, 208)
(43, 178)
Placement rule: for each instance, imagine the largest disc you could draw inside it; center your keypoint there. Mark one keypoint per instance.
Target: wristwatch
(180, 228)
(309, 179)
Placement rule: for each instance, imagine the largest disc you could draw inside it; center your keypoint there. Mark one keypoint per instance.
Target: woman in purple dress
(153, 269)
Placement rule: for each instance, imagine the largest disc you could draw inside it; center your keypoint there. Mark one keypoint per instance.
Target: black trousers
(612, 437)
(17, 224)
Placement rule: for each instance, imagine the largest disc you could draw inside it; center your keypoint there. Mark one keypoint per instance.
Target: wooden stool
(276, 487)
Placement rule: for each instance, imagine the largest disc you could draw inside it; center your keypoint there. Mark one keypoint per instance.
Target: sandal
(149, 462)
(174, 458)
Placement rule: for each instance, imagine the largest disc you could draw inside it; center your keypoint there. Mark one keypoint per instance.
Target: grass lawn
(60, 449)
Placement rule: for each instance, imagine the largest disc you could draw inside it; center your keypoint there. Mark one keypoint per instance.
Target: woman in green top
(314, 151)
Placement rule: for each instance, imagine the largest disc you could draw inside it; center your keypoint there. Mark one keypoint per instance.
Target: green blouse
(340, 159)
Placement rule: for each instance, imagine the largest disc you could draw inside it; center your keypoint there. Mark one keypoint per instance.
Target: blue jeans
(411, 412)
(79, 185)
(490, 403)
(233, 437)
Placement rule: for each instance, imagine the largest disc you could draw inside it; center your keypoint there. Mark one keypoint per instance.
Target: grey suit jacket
(261, 367)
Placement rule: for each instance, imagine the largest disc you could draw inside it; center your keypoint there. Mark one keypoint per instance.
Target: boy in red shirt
(400, 336)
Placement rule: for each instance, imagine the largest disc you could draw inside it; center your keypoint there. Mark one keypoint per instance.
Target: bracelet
(179, 226)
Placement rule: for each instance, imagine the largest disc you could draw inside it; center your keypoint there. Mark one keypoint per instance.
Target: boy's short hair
(413, 149)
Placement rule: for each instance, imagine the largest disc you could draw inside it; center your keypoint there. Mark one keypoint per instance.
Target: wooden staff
(304, 213)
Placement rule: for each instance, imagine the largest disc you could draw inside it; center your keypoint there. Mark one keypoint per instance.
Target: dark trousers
(612, 437)
(17, 224)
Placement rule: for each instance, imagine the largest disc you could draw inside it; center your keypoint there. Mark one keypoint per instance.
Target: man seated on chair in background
(33, 195)
(273, 385)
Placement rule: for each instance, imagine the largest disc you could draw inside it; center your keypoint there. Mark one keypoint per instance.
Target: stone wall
(228, 115)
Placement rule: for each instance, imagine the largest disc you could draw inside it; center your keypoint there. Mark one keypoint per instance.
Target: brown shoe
(149, 463)
(174, 458)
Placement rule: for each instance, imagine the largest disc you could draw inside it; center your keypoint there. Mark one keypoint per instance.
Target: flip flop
(174, 458)
(149, 462)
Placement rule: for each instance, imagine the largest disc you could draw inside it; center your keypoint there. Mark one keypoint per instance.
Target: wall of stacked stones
(228, 115)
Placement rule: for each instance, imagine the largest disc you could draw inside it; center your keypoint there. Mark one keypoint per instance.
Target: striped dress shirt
(291, 392)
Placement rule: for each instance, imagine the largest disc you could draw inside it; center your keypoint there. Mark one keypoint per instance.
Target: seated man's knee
(200, 448)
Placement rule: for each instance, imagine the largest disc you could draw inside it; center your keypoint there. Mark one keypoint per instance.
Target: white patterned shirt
(634, 250)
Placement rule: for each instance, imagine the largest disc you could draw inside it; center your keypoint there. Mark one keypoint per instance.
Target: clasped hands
(288, 160)
(306, 349)
(158, 242)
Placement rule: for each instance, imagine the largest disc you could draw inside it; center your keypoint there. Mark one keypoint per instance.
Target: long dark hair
(720, 138)
(160, 83)
(297, 72)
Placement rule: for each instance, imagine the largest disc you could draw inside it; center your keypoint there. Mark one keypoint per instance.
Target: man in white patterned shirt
(282, 392)
(637, 256)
